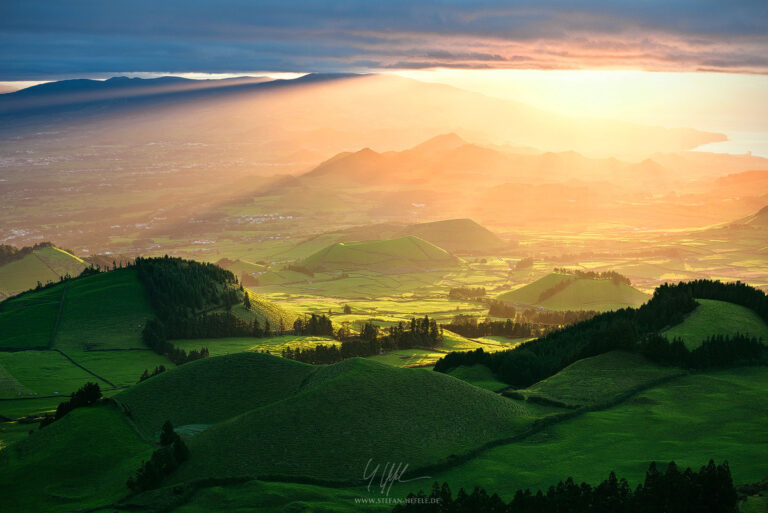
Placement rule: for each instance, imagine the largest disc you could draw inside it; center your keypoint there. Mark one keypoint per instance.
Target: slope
(79, 461)
(714, 317)
(560, 291)
(44, 264)
(599, 379)
(212, 390)
(355, 410)
(395, 255)
(463, 235)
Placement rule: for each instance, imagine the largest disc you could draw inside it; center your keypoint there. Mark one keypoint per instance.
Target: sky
(40, 39)
(699, 63)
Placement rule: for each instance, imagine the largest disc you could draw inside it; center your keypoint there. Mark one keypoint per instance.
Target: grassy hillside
(43, 265)
(599, 379)
(79, 461)
(717, 318)
(578, 294)
(355, 410)
(478, 375)
(462, 235)
(402, 254)
(212, 390)
(689, 420)
(103, 311)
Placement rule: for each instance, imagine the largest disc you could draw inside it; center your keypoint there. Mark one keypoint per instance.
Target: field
(717, 318)
(42, 265)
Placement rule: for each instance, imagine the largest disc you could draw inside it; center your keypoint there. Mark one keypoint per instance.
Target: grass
(212, 390)
(457, 235)
(600, 378)
(580, 294)
(267, 497)
(43, 265)
(355, 410)
(106, 310)
(28, 320)
(79, 461)
(713, 317)
(690, 420)
(40, 373)
(478, 375)
(400, 254)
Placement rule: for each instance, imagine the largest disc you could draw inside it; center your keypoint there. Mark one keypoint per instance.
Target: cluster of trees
(557, 318)
(318, 325)
(709, 490)
(164, 461)
(467, 293)
(596, 275)
(146, 374)
(468, 326)
(85, 396)
(498, 308)
(418, 333)
(715, 351)
(525, 263)
(545, 356)
(179, 288)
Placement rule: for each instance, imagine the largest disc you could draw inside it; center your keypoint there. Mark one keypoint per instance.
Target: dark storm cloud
(49, 37)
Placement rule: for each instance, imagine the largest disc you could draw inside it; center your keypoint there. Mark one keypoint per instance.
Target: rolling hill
(356, 409)
(404, 254)
(457, 235)
(714, 317)
(43, 263)
(599, 379)
(560, 291)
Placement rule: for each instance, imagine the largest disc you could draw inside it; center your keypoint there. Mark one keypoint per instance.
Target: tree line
(622, 329)
(714, 351)
(467, 293)
(596, 275)
(468, 326)
(710, 490)
(417, 333)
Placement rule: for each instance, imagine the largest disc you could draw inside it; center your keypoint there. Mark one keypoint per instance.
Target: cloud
(51, 37)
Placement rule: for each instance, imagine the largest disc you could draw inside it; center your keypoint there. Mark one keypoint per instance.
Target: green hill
(599, 379)
(561, 291)
(43, 264)
(713, 317)
(395, 255)
(354, 410)
(77, 462)
(212, 390)
(457, 235)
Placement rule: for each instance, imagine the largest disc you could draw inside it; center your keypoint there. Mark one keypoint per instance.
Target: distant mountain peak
(441, 142)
